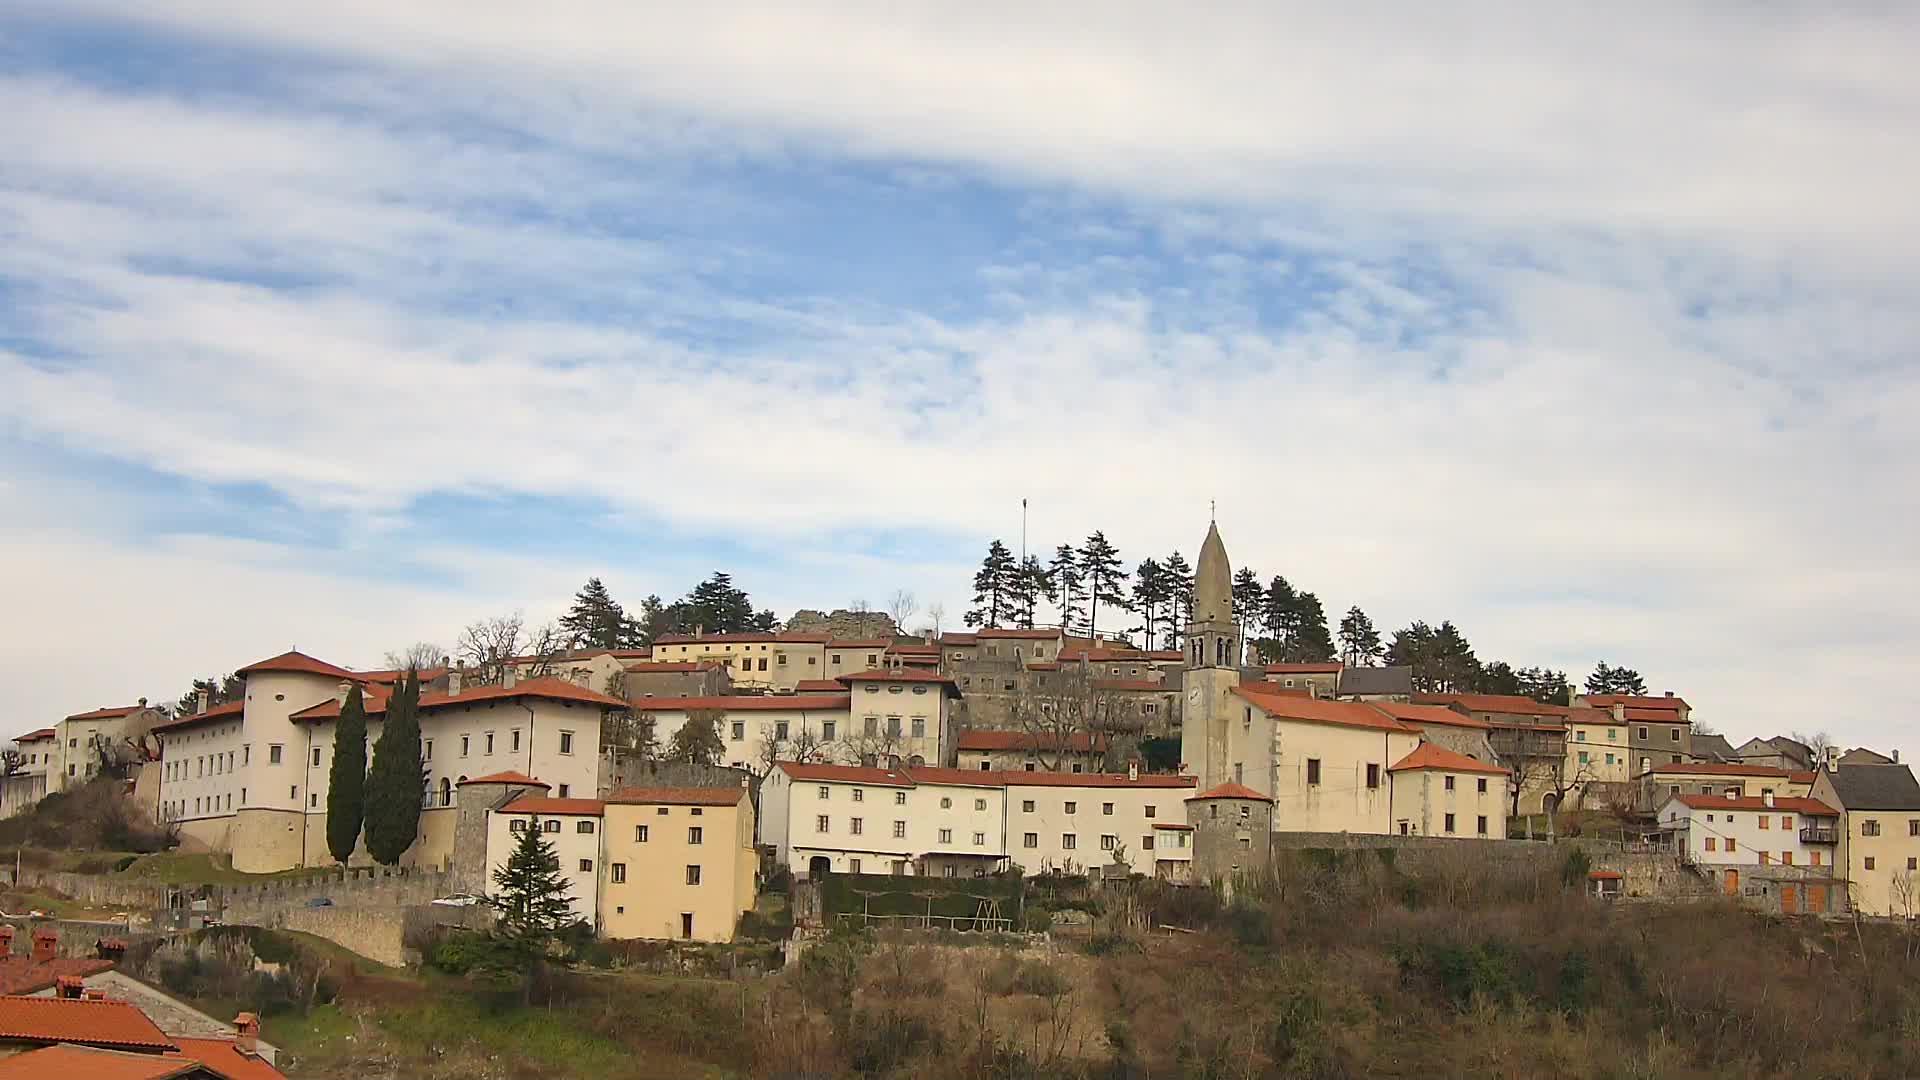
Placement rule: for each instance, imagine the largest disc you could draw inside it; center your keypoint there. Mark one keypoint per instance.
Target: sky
(1590, 330)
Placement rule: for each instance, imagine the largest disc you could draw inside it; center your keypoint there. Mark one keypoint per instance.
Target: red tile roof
(1712, 768)
(928, 774)
(819, 686)
(860, 643)
(797, 639)
(745, 703)
(224, 711)
(983, 740)
(537, 804)
(912, 649)
(1434, 756)
(42, 735)
(1330, 668)
(851, 774)
(958, 639)
(1313, 710)
(1104, 656)
(1129, 684)
(1024, 635)
(669, 667)
(893, 675)
(89, 1063)
(394, 675)
(906, 776)
(1177, 828)
(1507, 704)
(1803, 777)
(298, 663)
(224, 1058)
(659, 796)
(110, 713)
(22, 975)
(1654, 716)
(1018, 778)
(506, 778)
(1788, 803)
(1638, 701)
(1229, 790)
(1428, 714)
(549, 689)
(92, 1023)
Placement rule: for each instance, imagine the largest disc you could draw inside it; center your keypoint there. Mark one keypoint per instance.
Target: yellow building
(1323, 763)
(1437, 792)
(775, 661)
(1598, 748)
(1879, 849)
(678, 863)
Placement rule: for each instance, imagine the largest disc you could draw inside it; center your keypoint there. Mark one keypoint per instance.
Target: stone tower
(1213, 668)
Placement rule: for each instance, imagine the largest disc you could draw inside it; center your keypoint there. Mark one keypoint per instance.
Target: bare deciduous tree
(901, 605)
(418, 656)
(11, 761)
(936, 615)
(1819, 742)
(1059, 709)
(804, 746)
(486, 647)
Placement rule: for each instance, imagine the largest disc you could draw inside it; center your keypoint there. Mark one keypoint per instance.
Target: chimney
(206, 698)
(6, 940)
(1896, 757)
(46, 944)
(340, 693)
(69, 987)
(1733, 793)
(509, 674)
(1766, 799)
(246, 1034)
(1669, 693)
(456, 677)
(111, 948)
(93, 993)
(1833, 759)
(143, 703)
(1133, 770)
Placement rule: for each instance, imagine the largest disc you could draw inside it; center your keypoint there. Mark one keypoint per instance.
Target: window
(313, 799)
(1373, 776)
(586, 866)
(1867, 862)
(1583, 757)
(550, 826)
(856, 825)
(739, 730)
(293, 791)
(426, 752)
(566, 742)
(853, 866)
(1106, 809)
(1710, 843)
(826, 730)
(583, 828)
(1673, 734)
(1031, 840)
(899, 798)
(1073, 807)
(946, 836)
(893, 726)
(1765, 821)
(1449, 783)
(1869, 827)
(780, 731)
(1786, 858)
(946, 802)
(273, 754)
(986, 766)
(820, 823)
(979, 804)
(695, 834)
(780, 659)
(516, 740)
(1643, 734)
(823, 792)
(1108, 843)
(1730, 843)
(693, 878)
(919, 727)
(870, 725)
(1076, 766)
(466, 744)
(316, 759)
(1913, 826)
(1026, 806)
(639, 834)
(1815, 857)
(1146, 843)
(979, 839)
(1449, 823)
(1313, 772)
(899, 830)
(859, 794)
(1913, 863)
(1766, 858)
(1152, 810)
(1066, 841)
(617, 873)
(1480, 825)
(1481, 785)
(246, 754)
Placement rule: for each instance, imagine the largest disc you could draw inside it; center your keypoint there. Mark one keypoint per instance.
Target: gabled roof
(1434, 756)
(819, 686)
(1638, 701)
(114, 712)
(1017, 778)
(506, 778)
(781, 636)
(41, 735)
(744, 703)
(1875, 787)
(224, 711)
(1229, 790)
(851, 774)
(1653, 716)
(900, 675)
(671, 667)
(1503, 704)
(538, 804)
(1305, 668)
(298, 663)
(1715, 768)
(1397, 679)
(907, 776)
(1025, 635)
(660, 796)
(1791, 804)
(222, 1057)
(958, 640)
(1422, 715)
(983, 740)
(928, 774)
(913, 648)
(77, 1020)
(550, 689)
(21, 974)
(90, 1063)
(1713, 746)
(1318, 711)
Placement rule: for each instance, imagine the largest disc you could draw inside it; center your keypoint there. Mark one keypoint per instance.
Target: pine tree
(1248, 599)
(1029, 584)
(1544, 685)
(1280, 617)
(715, 606)
(1612, 680)
(698, 740)
(1359, 642)
(394, 786)
(347, 778)
(1105, 578)
(1063, 586)
(1150, 594)
(993, 587)
(530, 893)
(1179, 598)
(1311, 642)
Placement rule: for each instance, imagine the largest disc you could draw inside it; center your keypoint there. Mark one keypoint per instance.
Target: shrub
(1573, 872)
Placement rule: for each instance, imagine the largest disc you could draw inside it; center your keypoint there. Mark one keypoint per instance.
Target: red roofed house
(1438, 792)
(1742, 841)
(677, 678)
(1231, 829)
(1529, 736)
(1074, 752)
(677, 863)
(250, 777)
(572, 826)
(1322, 679)
(773, 661)
(67, 754)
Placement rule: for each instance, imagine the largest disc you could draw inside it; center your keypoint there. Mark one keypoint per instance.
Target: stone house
(1322, 680)
(677, 678)
(1437, 792)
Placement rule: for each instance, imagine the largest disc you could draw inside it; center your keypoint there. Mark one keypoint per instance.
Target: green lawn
(174, 868)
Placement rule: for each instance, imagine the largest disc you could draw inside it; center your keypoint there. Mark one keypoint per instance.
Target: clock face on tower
(1193, 697)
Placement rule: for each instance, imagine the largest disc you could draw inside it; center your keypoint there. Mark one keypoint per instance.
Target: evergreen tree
(347, 778)
(219, 691)
(1105, 577)
(1612, 680)
(1311, 642)
(1248, 600)
(530, 893)
(1499, 677)
(994, 586)
(1063, 586)
(1179, 598)
(1441, 659)
(715, 606)
(596, 621)
(394, 786)
(1280, 616)
(1150, 594)
(1359, 642)
(1544, 685)
(698, 740)
(1029, 584)
(655, 620)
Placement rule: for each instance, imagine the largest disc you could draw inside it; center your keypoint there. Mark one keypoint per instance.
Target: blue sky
(1593, 335)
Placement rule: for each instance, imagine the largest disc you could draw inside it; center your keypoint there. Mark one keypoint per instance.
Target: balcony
(1820, 834)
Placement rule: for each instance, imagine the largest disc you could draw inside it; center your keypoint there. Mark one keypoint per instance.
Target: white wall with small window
(1076, 822)
(572, 826)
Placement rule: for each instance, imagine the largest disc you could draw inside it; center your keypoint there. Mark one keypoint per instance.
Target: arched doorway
(818, 867)
(1550, 804)
(446, 792)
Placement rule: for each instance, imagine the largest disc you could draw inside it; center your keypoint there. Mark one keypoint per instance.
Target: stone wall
(1647, 875)
(354, 888)
(374, 933)
(100, 890)
(619, 770)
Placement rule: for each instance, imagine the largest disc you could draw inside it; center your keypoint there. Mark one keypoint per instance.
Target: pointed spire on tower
(1213, 582)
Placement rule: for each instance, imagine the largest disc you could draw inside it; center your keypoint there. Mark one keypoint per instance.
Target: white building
(1437, 792)
(1076, 822)
(22, 789)
(573, 826)
(1735, 830)
(748, 722)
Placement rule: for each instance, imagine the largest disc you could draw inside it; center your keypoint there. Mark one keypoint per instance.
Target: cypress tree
(347, 780)
(394, 787)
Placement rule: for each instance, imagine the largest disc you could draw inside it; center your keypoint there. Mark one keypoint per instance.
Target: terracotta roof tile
(41, 735)
(899, 675)
(769, 638)
(1434, 756)
(1229, 790)
(1654, 716)
(93, 1023)
(298, 663)
(744, 703)
(89, 1063)
(550, 689)
(1296, 668)
(1313, 710)
(1506, 704)
(928, 774)
(851, 774)
(537, 804)
(506, 778)
(1714, 768)
(860, 643)
(222, 1057)
(661, 796)
(1638, 701)
(1420, 715)
(19, 974)
(1788, 803)
(225, 711)
(1023, 635)
(669, 667)
(112, 713)
(1015, 778)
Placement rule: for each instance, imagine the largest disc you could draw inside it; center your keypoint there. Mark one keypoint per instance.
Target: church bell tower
(1212, 670)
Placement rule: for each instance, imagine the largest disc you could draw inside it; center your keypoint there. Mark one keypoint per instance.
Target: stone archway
(818, 867)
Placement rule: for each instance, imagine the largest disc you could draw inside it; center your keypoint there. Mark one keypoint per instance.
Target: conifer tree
(1063, 586)
(993, 587)
(394, 785)
(1359, 642)
(1030, 583)
(1311, 642)
(347, 778)
(596, 621)
(698, 740)
(1249, 600)
(1105, 578)
(530, 893)
(1150, 594)
(1179, 597)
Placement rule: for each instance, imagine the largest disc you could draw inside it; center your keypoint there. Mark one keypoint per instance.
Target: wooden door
(1817, 899)
(1733, 882)
(1789, 900)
